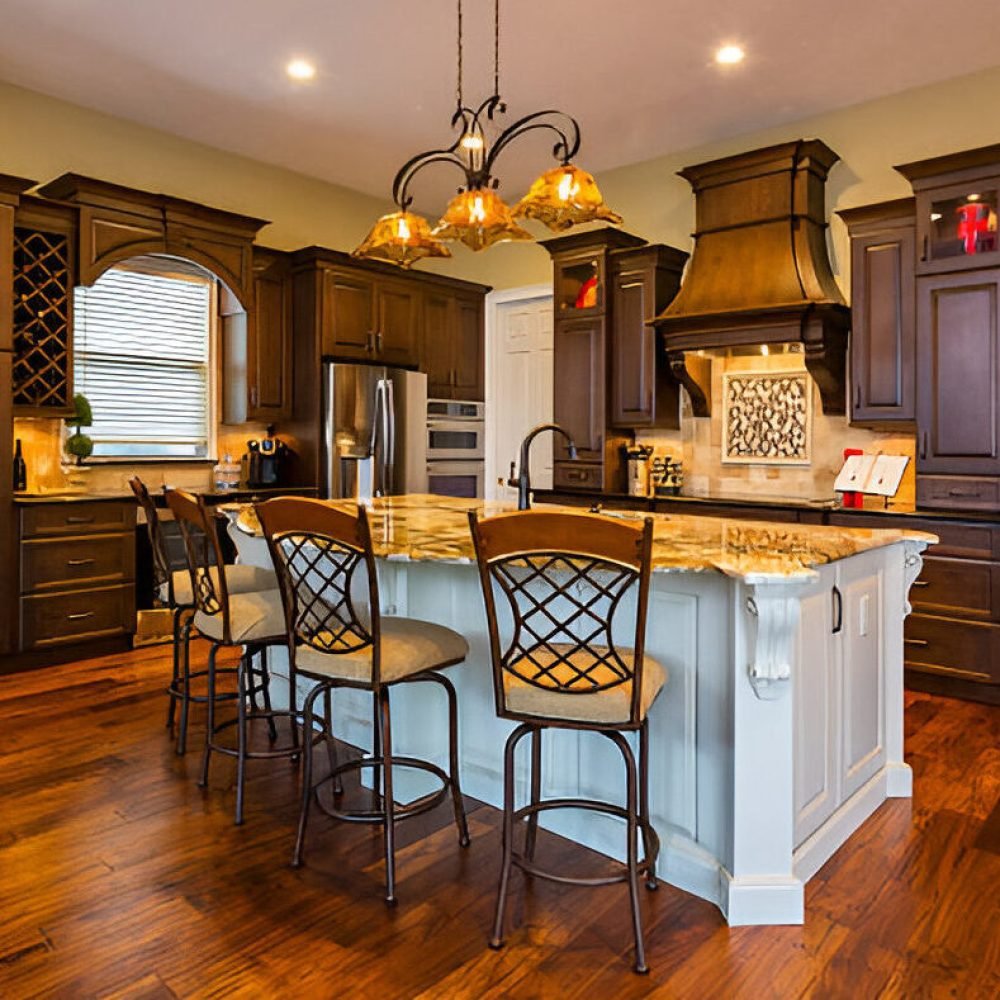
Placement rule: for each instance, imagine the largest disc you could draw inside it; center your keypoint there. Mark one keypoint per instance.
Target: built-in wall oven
(456, 448)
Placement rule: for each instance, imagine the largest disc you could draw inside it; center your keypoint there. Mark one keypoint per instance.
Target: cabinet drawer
(963, 587)
(958, 492)
(578, 476)
(969, 650)
(55, 619)
(958, 541)
(85, 517)
(59, 563)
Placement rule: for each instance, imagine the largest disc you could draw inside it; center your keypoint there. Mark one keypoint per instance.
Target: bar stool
(338, 641)
(172, 589)
(249, 618)
(564, 579)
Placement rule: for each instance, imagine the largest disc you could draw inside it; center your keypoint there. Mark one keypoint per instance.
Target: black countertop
(826, 506)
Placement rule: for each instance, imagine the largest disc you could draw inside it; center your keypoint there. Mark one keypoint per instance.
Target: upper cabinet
(643, 392)
(957, 329)
(453, 344)
(269, 338)
(957, 198)
(883, 334)
(116, 223)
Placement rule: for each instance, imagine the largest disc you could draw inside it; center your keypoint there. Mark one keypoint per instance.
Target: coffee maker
(262, 462)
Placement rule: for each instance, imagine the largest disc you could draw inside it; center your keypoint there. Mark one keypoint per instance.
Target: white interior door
(519, 385)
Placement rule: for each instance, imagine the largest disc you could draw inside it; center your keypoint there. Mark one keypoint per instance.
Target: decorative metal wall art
(766, 418)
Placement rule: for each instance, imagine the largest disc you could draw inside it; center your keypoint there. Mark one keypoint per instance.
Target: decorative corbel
(695, 374)
(913, 563)
(773, 612)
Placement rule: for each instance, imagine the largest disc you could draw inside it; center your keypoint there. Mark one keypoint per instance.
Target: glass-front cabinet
(579, 284)
(958, 198)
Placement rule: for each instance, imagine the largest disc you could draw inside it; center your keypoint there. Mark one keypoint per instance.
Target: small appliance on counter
(638, 457)
(262, 461)
(667, 477)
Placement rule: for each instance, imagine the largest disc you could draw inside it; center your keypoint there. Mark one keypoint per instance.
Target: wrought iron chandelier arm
(567, 130)
(413, 166)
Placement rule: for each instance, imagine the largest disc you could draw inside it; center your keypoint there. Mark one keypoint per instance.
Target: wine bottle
(20, 469)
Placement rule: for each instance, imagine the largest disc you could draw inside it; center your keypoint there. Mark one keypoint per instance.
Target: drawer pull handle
(79, 616)
(963, 493)
(916, 642)
(79, 562)
(921, 583)
(80, 520)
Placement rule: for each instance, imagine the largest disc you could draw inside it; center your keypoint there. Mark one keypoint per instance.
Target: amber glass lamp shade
(479, 218)
(401, 238)
(565, 196)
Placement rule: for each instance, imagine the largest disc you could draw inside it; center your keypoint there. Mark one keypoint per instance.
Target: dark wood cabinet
(346, 314)
(350, 310)
(958, 363)
(958, 196)
(643, 392)
(77, 574)
(397, 308)
(578, 358)
(883, 304)
(117, 223)
(453, 345)
(269, 348)
(594, 328)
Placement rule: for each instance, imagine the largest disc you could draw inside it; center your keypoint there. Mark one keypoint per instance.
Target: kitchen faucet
(523, 480)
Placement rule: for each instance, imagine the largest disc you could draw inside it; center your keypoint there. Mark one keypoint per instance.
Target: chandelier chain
(496, 48)
(458, 89)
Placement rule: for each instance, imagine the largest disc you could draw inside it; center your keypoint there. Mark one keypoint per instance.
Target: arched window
(143, 358)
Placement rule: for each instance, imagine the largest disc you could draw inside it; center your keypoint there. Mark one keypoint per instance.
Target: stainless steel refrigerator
(374, 431)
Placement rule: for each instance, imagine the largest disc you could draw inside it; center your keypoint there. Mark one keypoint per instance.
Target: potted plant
(78, 444)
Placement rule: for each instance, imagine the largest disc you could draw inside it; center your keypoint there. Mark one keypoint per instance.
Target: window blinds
(141, 345)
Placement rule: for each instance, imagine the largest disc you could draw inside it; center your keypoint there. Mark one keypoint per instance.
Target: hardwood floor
(120, 878)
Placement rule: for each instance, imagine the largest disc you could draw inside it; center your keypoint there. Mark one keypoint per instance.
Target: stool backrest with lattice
(203, 552)
(163, 577)
(317, 550)
(562, 580)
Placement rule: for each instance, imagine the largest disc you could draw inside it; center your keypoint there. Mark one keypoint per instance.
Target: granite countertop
(423, 527)
(212, 496)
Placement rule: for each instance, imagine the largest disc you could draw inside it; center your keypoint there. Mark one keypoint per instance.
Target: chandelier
(477, 216)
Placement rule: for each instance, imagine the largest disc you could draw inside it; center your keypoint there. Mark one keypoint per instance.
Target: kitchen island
(780, 728)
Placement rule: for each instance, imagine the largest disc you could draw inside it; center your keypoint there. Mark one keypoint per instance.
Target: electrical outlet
(864, 614)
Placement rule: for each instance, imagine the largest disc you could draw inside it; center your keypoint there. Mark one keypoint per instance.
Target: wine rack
(43, 293)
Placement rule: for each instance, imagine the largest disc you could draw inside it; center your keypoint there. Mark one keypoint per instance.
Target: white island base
(777, 734)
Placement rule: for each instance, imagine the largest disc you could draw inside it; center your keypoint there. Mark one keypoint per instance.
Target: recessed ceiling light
(729, 55)
(300, 69)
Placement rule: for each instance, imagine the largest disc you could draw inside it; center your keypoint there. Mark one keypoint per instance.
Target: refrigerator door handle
(390, 431)
(378, 441)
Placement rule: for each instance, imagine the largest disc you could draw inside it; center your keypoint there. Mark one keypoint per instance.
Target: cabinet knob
(378, 341)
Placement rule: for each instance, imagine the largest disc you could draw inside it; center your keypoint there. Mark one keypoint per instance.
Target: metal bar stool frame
(316, 549)
(179, 689)
(212, 598)
(519, 549)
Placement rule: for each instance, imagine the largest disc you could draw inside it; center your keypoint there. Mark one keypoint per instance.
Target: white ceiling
(638, 74)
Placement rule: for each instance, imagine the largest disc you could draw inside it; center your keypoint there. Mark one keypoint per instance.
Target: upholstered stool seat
(409, 646)
(253, 618)
(610, 704)
(240, 579)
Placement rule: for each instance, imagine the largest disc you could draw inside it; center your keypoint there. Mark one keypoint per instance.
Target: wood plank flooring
(119, 878)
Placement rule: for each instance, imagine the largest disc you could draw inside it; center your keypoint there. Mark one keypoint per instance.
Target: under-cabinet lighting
(973, 197)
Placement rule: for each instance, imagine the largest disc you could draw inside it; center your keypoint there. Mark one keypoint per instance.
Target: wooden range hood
(760, 273)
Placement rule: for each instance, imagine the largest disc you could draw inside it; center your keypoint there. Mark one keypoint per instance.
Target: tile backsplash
(699, 444)
(42, 445)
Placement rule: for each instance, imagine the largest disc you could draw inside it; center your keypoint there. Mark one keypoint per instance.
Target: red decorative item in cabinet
(974, 221)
